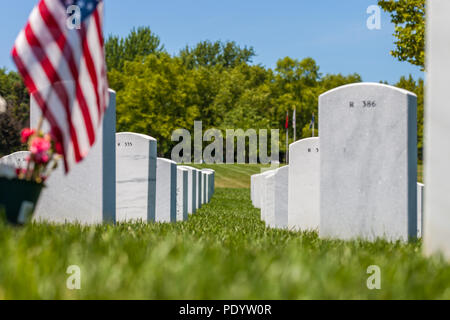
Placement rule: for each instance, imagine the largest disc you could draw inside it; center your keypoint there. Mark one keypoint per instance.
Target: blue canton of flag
(313, 120)
(87, 7)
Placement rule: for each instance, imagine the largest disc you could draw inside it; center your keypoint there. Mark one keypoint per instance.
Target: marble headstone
(17, 160)
(437, 130)
(268, 207)
(420, 208)
(3, 105)
(262, 185)
(166, 190)
(252, 188)
(211, 183)
(210, 190)
(192, 189)
(304, 175)
(257, 189)
(87, 194)
(204, 186)
(135, 177)
(368, 162)
(199, 188)
(182, 194)
(276, 203)
(281, 197)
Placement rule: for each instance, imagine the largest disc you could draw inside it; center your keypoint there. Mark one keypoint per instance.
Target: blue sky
(332, 32)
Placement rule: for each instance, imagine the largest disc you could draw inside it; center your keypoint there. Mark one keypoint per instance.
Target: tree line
(216, 82)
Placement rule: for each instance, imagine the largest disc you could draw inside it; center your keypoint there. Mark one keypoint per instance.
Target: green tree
(207, 53)
(156, 96)
(409, 19)
(138, 44)
(9, 133)
(215, 82)
(17, 115)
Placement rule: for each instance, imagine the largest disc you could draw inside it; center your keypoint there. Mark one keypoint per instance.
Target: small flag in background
(287, 121)
(294, 124)
(294, 118)
(64, 70)
(313, 121)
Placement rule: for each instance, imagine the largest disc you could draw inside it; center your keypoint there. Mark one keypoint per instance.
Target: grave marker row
(361, 180)
(121, 180)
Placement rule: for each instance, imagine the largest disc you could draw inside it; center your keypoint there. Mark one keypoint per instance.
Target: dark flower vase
(18, 198)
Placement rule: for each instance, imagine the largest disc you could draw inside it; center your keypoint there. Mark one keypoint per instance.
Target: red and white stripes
(65, 72)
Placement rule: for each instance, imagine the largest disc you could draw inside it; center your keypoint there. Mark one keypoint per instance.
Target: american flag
(63, 66)
(286, 125)
(313, 121)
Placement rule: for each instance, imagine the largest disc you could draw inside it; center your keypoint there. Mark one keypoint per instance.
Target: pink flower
(26, 134)
(41, 158)
(39, 145)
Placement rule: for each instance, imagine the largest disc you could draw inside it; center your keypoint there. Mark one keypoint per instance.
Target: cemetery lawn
(238, 175)
(234, 175)
(222, 252)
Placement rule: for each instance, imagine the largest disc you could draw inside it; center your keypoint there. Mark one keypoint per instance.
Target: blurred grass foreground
(224, 251)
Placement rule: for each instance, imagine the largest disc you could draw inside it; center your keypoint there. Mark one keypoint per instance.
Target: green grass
(223, 252)
(232, 175)
(238, 175)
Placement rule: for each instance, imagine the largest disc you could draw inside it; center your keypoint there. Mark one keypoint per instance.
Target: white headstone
(420, 208)
(18, 160)
(268, 203)
(166, 190)
(192, 189)
(258, 180)
(3, 105)
(262, 185)
(182, 194)
(255, 191)
(199, 188)
(304, 185)
(252, 188)
(86, 195)
(276, 203)
(135, 177)
(281, 197)
(437, 130)
(211, 183)
(368, 162)
(204, 187)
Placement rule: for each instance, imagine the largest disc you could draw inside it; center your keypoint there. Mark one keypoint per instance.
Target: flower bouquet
(21, 186)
